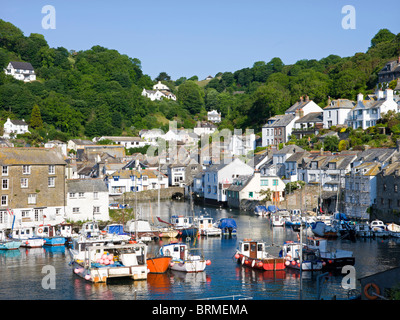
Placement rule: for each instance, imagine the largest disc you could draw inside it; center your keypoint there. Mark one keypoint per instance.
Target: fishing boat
(310, 260)
(158, 264)
(183, 225)
(320, 229)
(100, 262)
(167, 232)
(252, 253)
(260, 210)
(335, 259)
(27, 237)
(8, 244)
(206, 227)
(394, 230)
(228, 226)
(183, 258)
(379, 228)
(277, 220)
(50, 236)
(141, 230)
(363, 230)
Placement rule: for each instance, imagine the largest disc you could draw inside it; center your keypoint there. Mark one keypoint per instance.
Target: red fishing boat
(158, 264)
(251, 253)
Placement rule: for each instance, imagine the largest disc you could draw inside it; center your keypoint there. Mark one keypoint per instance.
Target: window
(32, 198)
(4, 184)
(26, 169)
(275, 182)
(81, 194)
(4, 170)
(52, 169)
(75, 210)
(395, 188)
(72, 195)
(58, 211)
(4, 200)
(51, 182)
(24, 182)
(264, 182)
(250, 194)
(384, 187)
(96, 210)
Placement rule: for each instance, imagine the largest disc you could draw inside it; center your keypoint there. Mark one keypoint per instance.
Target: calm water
(21, 271)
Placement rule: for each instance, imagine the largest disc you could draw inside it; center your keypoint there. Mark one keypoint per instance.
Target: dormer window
(332, 165)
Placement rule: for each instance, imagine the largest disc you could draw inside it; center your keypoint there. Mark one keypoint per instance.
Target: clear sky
(186, 38)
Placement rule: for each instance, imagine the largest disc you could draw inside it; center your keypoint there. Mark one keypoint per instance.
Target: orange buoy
(375, 288)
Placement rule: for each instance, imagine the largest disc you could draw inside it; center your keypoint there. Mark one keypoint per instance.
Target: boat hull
(337, 263)
(269, 264)
(158, 264)
(10, 245)
(188, 232)
(305, 266)
(189, 265)
(102, 274)
(32, 243)
(54, 241)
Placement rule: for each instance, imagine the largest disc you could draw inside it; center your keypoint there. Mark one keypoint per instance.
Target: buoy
(260, 264)
(375, 288)
(208, 262)
(87, 277)
(237, 256)
(293, 262)
(171, 264)
(287, 263)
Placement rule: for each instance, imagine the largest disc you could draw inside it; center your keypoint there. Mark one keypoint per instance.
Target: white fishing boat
(363, 230)
(183, 258)
(311, 260)
(27, 237)
(379, 228)
(98, 262)
(277, 220)
(394, 230)
(141, 230)
(332, 259)
(167, 232)
(206, 227)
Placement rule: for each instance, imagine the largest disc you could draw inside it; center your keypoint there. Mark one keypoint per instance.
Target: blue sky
(186, 38)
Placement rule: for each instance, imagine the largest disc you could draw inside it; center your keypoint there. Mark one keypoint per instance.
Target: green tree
(190, 96)
(36, 118)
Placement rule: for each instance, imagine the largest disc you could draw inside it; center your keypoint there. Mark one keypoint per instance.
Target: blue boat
(48, 233)
(8, 244)
(228, 226)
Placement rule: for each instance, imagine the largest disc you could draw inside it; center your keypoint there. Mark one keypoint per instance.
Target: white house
(176, 174)
(304, 106)
(250, 188)
(87, 199)
(214, 116)
(160, 86)
(204, 128)
(336, 112)
(218, 178)
(14, 127)
(152, 135)
(21, 71)
(62, 146)
(127, 142)
(242, 144)
(360, 189)
(123, 181)
(366, 113)
(158, 95)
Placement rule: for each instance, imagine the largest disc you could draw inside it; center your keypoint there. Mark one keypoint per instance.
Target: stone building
(32, 187)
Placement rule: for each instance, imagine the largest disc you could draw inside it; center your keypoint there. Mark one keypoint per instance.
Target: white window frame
(24, 183)
(26, 169)
(32, 198)
(76, 210)
(5, 184)
(51, 182)
(52, 169)
(4, 171)
(4, 200)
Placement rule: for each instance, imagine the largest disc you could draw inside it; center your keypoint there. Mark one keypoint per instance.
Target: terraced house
(32, 187)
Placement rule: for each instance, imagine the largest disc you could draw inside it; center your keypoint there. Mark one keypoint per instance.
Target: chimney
(360, 97)
(301, 99)
(389, 94)
(329, 101)
(307, 98)
(398, 145)
(380, 94)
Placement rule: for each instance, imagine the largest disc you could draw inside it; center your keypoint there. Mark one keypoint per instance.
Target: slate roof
(340, 104)
(21, 65)
(298, 105)
(240, 183)
(30, 156)
(376, 154)
(281, 120)
(19, 122)
(291, 148)
(86, 185)
(311, 117)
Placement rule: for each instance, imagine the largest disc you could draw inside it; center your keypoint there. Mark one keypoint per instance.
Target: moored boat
(100, 262)
(206, 227)
(184, 259)
(183, 225)
(334, 259)
(363, 230)
(310, 259)
(320, 229)
(27, 238)
(8, 244)
(49, 234)
(379, 228)
(141, 230)
(252, 253)
(394, 230)
(228, 226)
(158, 264)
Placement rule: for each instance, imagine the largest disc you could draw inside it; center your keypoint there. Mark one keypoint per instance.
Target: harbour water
(25, 272)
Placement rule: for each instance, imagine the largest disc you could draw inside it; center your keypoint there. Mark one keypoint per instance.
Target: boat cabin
(204, 222)
(90, 229)
(377, 224)
(181, 221)
(317, 244)
(23, 233)
(46, 231)
(252, 249)
(65, 230)
(178, 251)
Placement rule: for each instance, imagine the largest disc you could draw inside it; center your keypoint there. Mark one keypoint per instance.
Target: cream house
(21, 71)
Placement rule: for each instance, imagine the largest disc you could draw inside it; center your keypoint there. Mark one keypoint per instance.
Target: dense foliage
(98, 91)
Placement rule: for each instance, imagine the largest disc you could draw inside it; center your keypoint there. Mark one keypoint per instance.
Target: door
(182, 252)
(253, 250)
